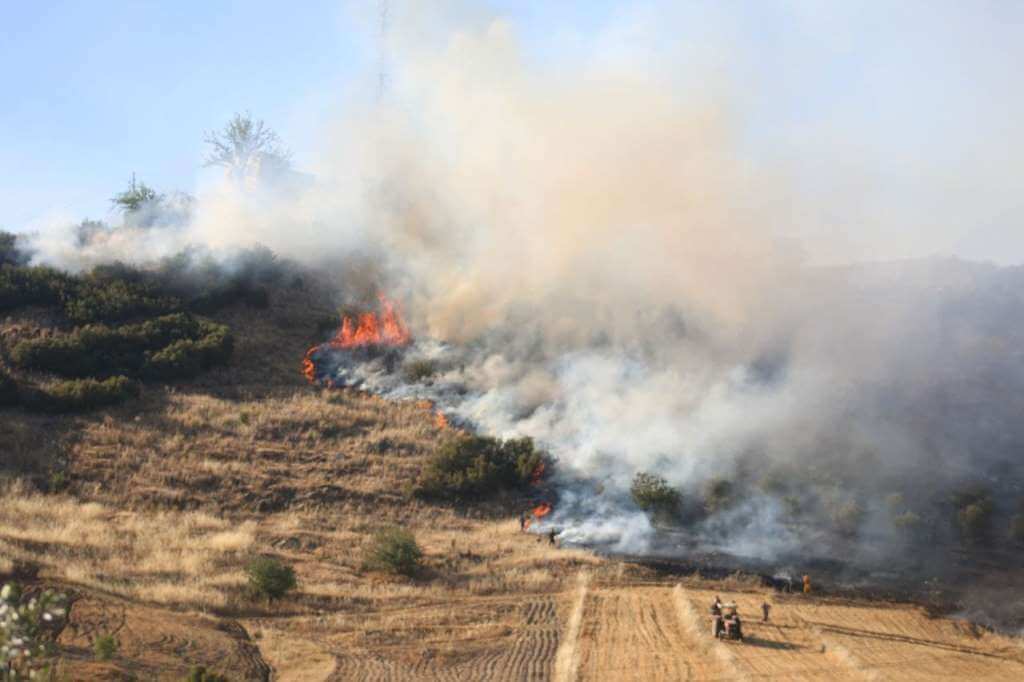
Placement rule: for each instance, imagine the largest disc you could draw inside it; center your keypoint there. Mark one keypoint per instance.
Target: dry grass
(179, 558)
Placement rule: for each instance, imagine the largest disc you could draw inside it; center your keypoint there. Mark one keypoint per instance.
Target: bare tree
(246, 148)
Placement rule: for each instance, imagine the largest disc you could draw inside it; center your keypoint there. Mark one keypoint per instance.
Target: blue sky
(886, 113)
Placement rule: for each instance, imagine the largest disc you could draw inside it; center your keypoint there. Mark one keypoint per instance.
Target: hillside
(146, 513)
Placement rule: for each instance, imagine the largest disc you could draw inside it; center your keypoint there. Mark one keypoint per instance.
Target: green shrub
(99, 298)
(76, 395)
(270, 578)
(8, 389)
(906, 522)
(199, 674)
(10, 252)
(474, 466)
(171, 346)
(654, 495)
(419, 370)
(974, 520)
(23, 285)
(104, 647)
(719, 494)
(973, 515)
(394, 550)
(847, 517)
(58, 482)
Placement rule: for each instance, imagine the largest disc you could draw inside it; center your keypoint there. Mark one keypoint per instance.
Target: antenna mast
(382, 72)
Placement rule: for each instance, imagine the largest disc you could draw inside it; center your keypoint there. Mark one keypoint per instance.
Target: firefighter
(717, 624)
(551, 537)
(765, 609)
(522, 522)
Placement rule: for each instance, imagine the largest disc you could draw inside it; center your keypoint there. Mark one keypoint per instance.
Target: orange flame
(542, 509)
(386, 329)
(441, 420)
(308, 366)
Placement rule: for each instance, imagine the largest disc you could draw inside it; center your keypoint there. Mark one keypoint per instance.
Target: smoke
(594, 255)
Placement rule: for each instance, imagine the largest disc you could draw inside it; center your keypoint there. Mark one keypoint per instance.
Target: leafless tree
(246, 147)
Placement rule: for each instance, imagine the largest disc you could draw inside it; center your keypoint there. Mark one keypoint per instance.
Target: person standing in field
(807, 584)
(765, 609)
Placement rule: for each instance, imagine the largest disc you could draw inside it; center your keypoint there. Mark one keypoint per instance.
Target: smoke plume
(595, 259)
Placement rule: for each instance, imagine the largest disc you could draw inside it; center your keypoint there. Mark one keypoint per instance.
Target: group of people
(725, 619)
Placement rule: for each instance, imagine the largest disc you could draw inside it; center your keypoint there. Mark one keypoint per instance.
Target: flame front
(386, 330)
(369, 329)
(542, 509)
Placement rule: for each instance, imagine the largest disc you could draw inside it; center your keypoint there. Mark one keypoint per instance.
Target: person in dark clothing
(522, 522)
(551, 537)
(765, 609)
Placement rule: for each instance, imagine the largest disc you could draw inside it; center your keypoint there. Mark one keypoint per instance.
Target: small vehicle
(726, 624)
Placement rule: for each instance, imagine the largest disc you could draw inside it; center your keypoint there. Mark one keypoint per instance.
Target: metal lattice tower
(383, 10)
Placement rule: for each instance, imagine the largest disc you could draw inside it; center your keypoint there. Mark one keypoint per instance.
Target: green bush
(847, 517)
(419, 370)
(104, 647)
(99, 298)
(270, 578)
(394, 550)
(23, 285)
(654, 495)
(974, 520)
(719, 494)
(77, 395)
(906, 522)
(171, 346)
(199, 674)
(475, 466)
(10, 253)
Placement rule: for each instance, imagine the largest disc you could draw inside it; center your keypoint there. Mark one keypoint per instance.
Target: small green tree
(654, 495)
(10, 253)
(718, 495)
(974, 515)
(137, 196)
(270, 578)
(26, 629)
(105, 647)
(394, 550)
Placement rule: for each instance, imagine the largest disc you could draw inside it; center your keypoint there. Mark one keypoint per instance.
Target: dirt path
(818, 639)
(651, 632)
(639, 633)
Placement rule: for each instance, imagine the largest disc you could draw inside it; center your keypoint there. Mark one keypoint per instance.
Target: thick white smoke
(617, 278)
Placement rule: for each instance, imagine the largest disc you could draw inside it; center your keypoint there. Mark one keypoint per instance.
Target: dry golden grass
(179, 558)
